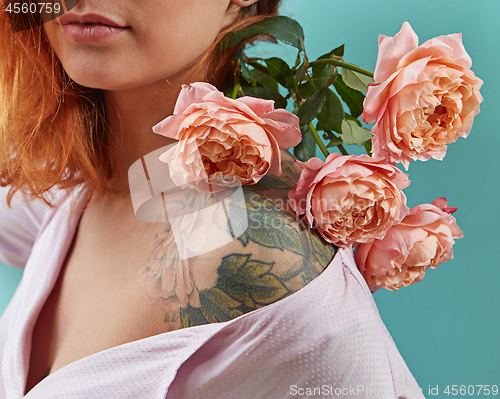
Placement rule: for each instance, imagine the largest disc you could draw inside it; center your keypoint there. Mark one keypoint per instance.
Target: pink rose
(350, 199)
(425, 98)
(225, 142)
(423, 239)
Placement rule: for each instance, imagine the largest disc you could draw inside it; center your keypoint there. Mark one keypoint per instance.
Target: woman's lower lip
(91, 32)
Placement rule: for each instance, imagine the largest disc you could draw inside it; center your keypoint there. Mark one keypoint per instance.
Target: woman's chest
(99, 300)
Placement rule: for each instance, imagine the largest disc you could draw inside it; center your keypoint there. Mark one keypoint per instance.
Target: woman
(107, 306)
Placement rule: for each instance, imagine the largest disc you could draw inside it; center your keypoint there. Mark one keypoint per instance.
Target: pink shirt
(324, 341)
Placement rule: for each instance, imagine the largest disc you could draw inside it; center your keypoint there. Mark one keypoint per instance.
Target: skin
(275, 257)
(141, 70)
(122, 279)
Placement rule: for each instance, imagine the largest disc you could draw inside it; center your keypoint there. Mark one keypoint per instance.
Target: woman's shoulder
(278, 251)
(296, 254)
(270, 256)
(22, 219)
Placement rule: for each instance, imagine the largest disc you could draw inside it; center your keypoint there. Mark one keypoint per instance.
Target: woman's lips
(79, 32)
(89, 27)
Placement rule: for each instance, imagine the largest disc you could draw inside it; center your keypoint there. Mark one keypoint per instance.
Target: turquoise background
(447, 326)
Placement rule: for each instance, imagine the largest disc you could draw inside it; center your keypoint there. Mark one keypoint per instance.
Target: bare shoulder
(272, 257)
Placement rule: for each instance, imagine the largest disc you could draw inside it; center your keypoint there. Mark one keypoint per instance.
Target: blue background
(447, 326)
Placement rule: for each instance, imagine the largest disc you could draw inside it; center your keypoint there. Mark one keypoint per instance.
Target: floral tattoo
(275, 256)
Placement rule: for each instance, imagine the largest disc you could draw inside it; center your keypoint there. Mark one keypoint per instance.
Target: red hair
(53, 130)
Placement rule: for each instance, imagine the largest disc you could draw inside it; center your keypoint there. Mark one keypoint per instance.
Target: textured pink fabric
(327, 336)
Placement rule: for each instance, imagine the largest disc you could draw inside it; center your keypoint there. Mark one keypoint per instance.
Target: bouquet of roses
(420, 99)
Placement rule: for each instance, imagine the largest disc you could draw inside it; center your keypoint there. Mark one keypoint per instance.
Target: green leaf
(353, 98)
(262, 235)
(323, 71)
(368, 147)
(353, 119)
(268, 82)
(262, 217)
(244, 239)
(271, 227)
(352, 133)
(323, 252)
(307, 147)
(339, 51)
(332, 114)
(311, 107)
(255, 201)
(247, 75)
(217, 306)
(355, 80)
(268, 224)
(191, 316)
(260, 92)
(280, 70)
(319, 79)
(245, 72)
(249, 281)
(290, 239)
(298, 74)
(321, 74)
(334, 142)
(282, 28)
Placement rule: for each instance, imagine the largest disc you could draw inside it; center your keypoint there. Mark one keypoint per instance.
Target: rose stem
(342, 149)
(318, 140)
(343, 65)
(235, 90)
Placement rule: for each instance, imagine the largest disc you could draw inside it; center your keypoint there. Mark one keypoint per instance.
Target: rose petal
(191, 94)
(392, 49)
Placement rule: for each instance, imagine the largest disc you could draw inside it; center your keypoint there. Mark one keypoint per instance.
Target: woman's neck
(130, 115)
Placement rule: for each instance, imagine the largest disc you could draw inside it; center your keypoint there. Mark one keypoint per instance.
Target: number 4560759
(33, 8)
(471, 390)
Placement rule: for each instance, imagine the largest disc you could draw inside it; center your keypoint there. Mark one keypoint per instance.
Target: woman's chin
(105, 82)
(108, 79)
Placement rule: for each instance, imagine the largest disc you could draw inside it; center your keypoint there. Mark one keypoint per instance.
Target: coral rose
(225, 142)
(423, 239)
(425, 97)
(350, 199)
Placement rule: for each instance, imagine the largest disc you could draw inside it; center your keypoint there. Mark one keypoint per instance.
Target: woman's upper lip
(71, 18)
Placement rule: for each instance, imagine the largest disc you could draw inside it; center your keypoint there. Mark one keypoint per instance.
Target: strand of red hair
(53, 131)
